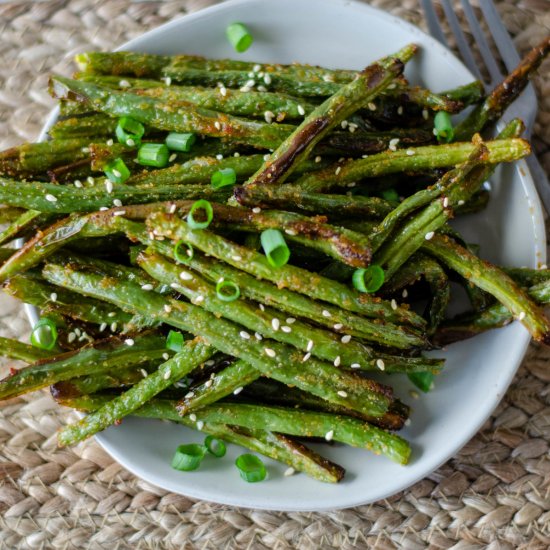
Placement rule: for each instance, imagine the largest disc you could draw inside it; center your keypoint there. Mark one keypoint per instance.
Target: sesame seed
(200, 425)
(317, 158)
(405, 293)
(251, 74)
(414, 394)
(172, 157)
(109, 142)
(244, 335)
(77, 183)
(71, 337)
(238, 390)
(328, 78)
(355, 366)
(185, 276)
(410, 152)
(266, 157)
(113, 326)
(290, 320)
(167, 80)
(77, 331)
(223, 91)
(352, 127)
(337, 361)
(166, 356)
(429, 235)
(400, 110)
(380, 364)
(306, 357)
(167, 374)
(268, 116)
(143, 373)
(90, 180)
(189, 394)
(102, 327)
(344, 124)
(445, 202)
(269, 352)
(275, 323)
(289, 472)
(309, 346)
(393, 304)
(460, 203)
(407, 422)
(167, 308)
(208, 383)
(193, 417)
(219, 157)
(521, 316)
(119, 213)
(199, 299)
(393, 144)
(301, 110)
(338, 170)
(261, 88)
(116, 173)
(346, 338)
(250, 83)
(172, 209)
(329, 435)
(286, 329)
(290, 232)
(257, 68)
(237, 258)
(244, 89)
(326, 313)
(124, 84)
(147, 286)
(129, 342)
(51, 198)
(342, 393)
(338, 326)
(236, 154)
(130, 142)
(117, 202)
(371, 106)
(217, 125)
(267, 79)
(258, 336)
(262, 307)
(256, 210)
(53, 297)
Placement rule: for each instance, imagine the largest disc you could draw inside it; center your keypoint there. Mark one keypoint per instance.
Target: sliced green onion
(239, 37)
(204, 205)
(44, 334)
(180, 142)
(117, 171)
(443, 127)
(215, 446)
(153, 154)
(185, 257)
(368, 279)
(223, 177)
(174, 341)
(188, 457)
(390, 195)
(129, 131)
(251, 468)
(422, 380)
(228, 291)
(275, 247)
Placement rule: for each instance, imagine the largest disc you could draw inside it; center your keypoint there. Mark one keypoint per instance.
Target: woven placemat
(494, 494)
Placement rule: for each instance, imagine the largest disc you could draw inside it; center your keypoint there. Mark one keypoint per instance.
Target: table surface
(494, 494)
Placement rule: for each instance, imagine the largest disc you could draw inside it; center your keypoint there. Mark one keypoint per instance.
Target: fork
(525, 106)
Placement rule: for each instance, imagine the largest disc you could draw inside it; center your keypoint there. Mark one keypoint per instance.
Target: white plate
(338, 33)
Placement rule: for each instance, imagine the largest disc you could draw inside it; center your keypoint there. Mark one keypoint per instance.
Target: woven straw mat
(494, 494)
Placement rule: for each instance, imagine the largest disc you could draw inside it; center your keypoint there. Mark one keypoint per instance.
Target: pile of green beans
(237, 247)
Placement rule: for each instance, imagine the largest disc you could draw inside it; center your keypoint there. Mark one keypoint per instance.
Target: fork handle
(541, 181)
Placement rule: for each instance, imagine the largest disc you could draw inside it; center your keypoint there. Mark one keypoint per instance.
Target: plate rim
(519, 349)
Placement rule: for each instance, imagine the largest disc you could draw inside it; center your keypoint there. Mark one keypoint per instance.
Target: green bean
(14, 349)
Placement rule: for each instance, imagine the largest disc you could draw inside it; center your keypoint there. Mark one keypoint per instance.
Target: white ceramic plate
(338, 33)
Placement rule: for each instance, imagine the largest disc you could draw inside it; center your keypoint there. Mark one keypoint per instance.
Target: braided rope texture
(494, 494)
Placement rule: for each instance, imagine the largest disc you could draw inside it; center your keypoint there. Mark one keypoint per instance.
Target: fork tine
(501, 37)
(461, 41)
(481, 41)
(433, 23)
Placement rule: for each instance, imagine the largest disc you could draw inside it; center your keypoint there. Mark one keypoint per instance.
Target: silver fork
(525, 106)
